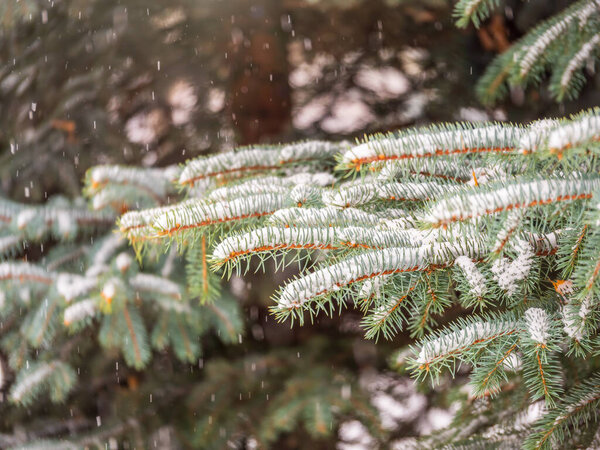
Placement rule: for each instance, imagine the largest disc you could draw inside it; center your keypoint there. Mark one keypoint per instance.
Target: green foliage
(106, 292)
(404, 244)
(562, 45)
(290, 391)
(475, 11)
(55, 377)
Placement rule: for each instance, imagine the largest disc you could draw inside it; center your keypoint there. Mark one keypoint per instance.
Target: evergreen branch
(367, 265)
(224, 316)
(414, 191)
(579, 132)
(270, 239)
(144, 282)
(351, 196)
(444, 168)
(431, 301)
(42, 325)
(486, 380)
(510, 226)
(540, 366)
(509, 274)
(135, 340)
(475, 11)
(79, 312)
(198, 214)
(157, 182)
(387, 317)
(566, 81)
(580, 405)
(251, 160)
(323, 217)
(492, 85)
(55, 377)
(305, 195)
(71, 286)
(186, 348)
(25, 272)
(378, 238)
(271, 184)
(464, 337)
(203, 283)
(205, 287)
(543, 47)
(519, 195)
(434, 141)
(586, 273)
(537, 41)
(355, 269)
(476, 280)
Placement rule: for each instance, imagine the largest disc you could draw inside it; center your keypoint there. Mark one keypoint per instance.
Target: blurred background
(87, 82)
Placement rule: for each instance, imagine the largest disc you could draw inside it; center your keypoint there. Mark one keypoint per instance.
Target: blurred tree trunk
(260, 101)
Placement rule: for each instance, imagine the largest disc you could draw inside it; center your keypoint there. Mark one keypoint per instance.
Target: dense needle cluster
(497, 222)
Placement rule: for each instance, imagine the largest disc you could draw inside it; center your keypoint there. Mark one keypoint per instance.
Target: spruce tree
(479, 241)
(496, 220)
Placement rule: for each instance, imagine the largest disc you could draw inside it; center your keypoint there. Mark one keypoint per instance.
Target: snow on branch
(27, 384)
(538, 325)
(533, 46)
(323, 217)
(270, 238)
(197, 213)
(473, 276)
(565, 81)
(434, 141)
(409, 191)
(364, 266)
(58, 217)
(257, 159)
(372, 238)
(460, 338)
(135, 225)
(253, 186)
(508, 274)
(55, 377)
(156, 181)
(580, 405)
(357, 268)
(356, 194)
(443, 168)
(79, 311)
(578, 132)
(509, 196)
(145, 282)
(25, 272)
(72, 286)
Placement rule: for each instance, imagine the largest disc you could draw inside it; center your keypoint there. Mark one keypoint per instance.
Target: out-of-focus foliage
(566, 44)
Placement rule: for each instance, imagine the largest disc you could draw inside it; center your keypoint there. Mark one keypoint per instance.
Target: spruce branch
(475, 11)
(252, 160)
(547, 46)
(430, 142)
(512, 196)
(462, 340)
(579, 407)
